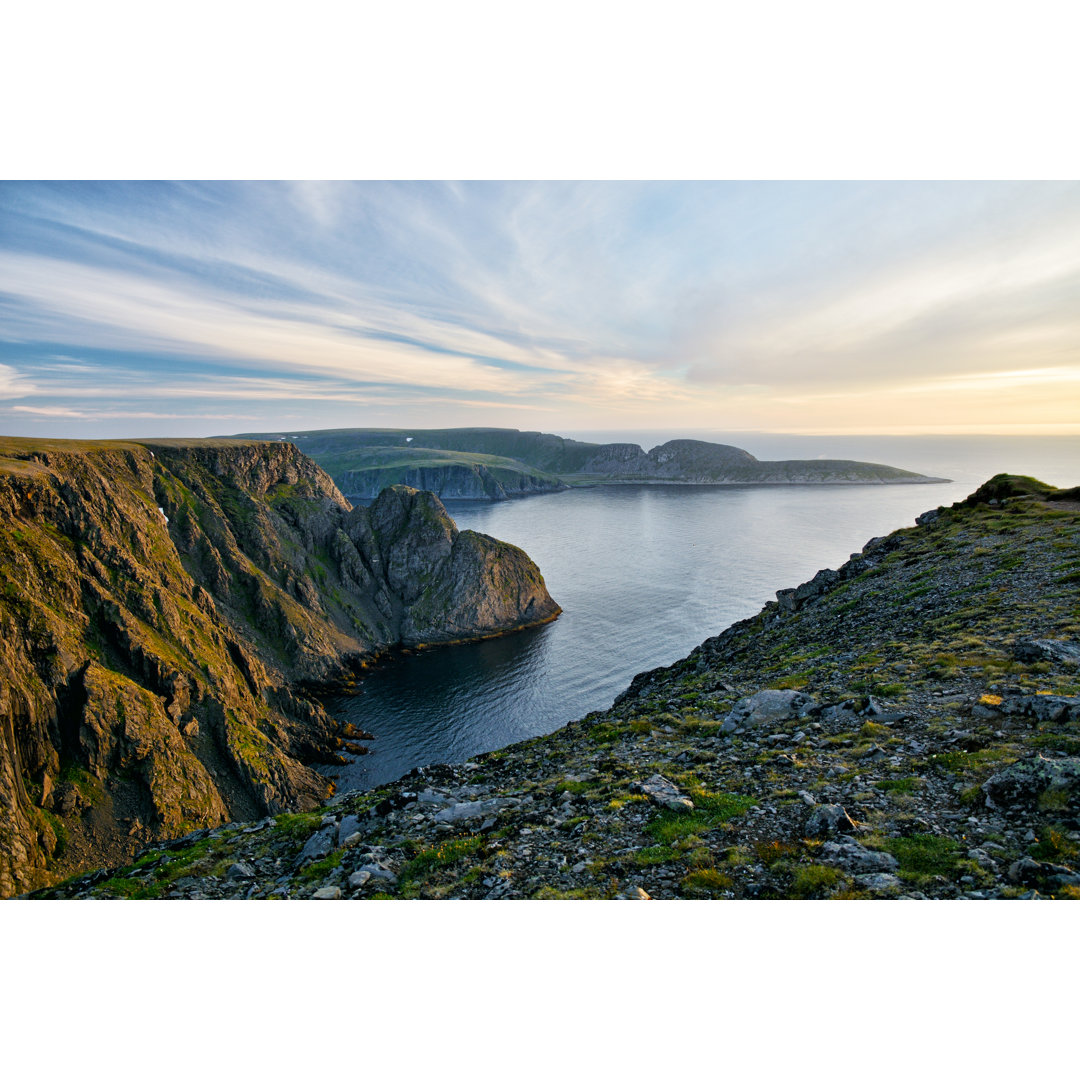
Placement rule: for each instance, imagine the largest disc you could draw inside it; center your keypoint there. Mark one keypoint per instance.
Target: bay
(645, 574)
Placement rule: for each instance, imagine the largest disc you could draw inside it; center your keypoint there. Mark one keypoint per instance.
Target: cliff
(531, 462)
(907, 725)
(448, 476)
(161, 606)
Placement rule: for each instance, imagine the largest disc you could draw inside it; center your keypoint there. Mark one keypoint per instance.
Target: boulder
(879, 883)
(827, 820)
(1032, 650)
(347, 830)
(768, 707)
(319, 844)
(1024, 781)
(849, 854)
(359, 879)
(663, 792)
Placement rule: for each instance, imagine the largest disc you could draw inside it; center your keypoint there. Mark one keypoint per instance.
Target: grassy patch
(706, 882)
(1054, 846)
(770, 852)
(904, 784)
(709, 810)
(655, 855)
(549, 893)
(430, 860)
(320, 868)
(924, 853)
(813, 881)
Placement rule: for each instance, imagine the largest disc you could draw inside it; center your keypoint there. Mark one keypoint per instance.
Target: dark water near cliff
(645, 574)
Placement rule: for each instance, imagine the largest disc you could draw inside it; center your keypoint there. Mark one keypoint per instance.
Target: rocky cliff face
(451, 481)
(159, 604)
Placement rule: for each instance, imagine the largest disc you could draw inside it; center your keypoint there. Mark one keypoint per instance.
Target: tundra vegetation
(905, 726)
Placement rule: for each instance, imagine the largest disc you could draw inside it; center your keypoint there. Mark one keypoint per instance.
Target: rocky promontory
(904, 726)
(163, 607)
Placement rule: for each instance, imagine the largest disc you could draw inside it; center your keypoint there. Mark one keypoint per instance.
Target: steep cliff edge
(160, 602)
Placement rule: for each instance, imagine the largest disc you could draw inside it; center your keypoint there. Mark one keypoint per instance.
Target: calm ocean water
(645, 574)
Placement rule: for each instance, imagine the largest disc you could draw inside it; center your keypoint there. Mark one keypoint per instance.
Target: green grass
(924, 853)
(430, 860)
(709, 810)
(905, 784)
(813, 881)
(655, 855)
(706, 882)
(320, 868)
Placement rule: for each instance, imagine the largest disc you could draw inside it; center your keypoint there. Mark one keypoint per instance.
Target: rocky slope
(560, 461)
(905, 726)
(162, 605)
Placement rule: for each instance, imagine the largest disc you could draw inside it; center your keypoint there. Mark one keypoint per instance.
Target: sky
(162, 308)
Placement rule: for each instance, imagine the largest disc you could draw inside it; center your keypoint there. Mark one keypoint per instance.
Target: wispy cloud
(601, 303)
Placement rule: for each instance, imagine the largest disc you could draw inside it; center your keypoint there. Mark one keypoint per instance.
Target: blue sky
(206, 308)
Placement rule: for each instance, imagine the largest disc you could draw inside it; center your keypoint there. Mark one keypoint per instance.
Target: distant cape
(504, 463)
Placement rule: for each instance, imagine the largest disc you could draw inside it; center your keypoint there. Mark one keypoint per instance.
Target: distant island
(503, 463)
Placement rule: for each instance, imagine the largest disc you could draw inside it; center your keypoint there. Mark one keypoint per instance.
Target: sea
(644, 574)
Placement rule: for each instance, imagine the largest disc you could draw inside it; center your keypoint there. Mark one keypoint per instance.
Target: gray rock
(769, 707)
(327, 892)
(239, 871)
(359, 879)
(1025, 871)
(663, 792)
(827, 820)
(984, 859)
(319, 844)
(1029, 650)
(377, 870)
(462, 811)
(793, 599)
(635, 892)
(1024, 781)
(851, 855)
(348, 832)
(879, 882)
(1051, 708)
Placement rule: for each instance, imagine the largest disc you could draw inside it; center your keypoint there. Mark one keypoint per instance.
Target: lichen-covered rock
(1024, 781)
(768, 707)
(663, 792)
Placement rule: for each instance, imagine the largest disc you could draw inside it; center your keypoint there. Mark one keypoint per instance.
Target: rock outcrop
(162, 604)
